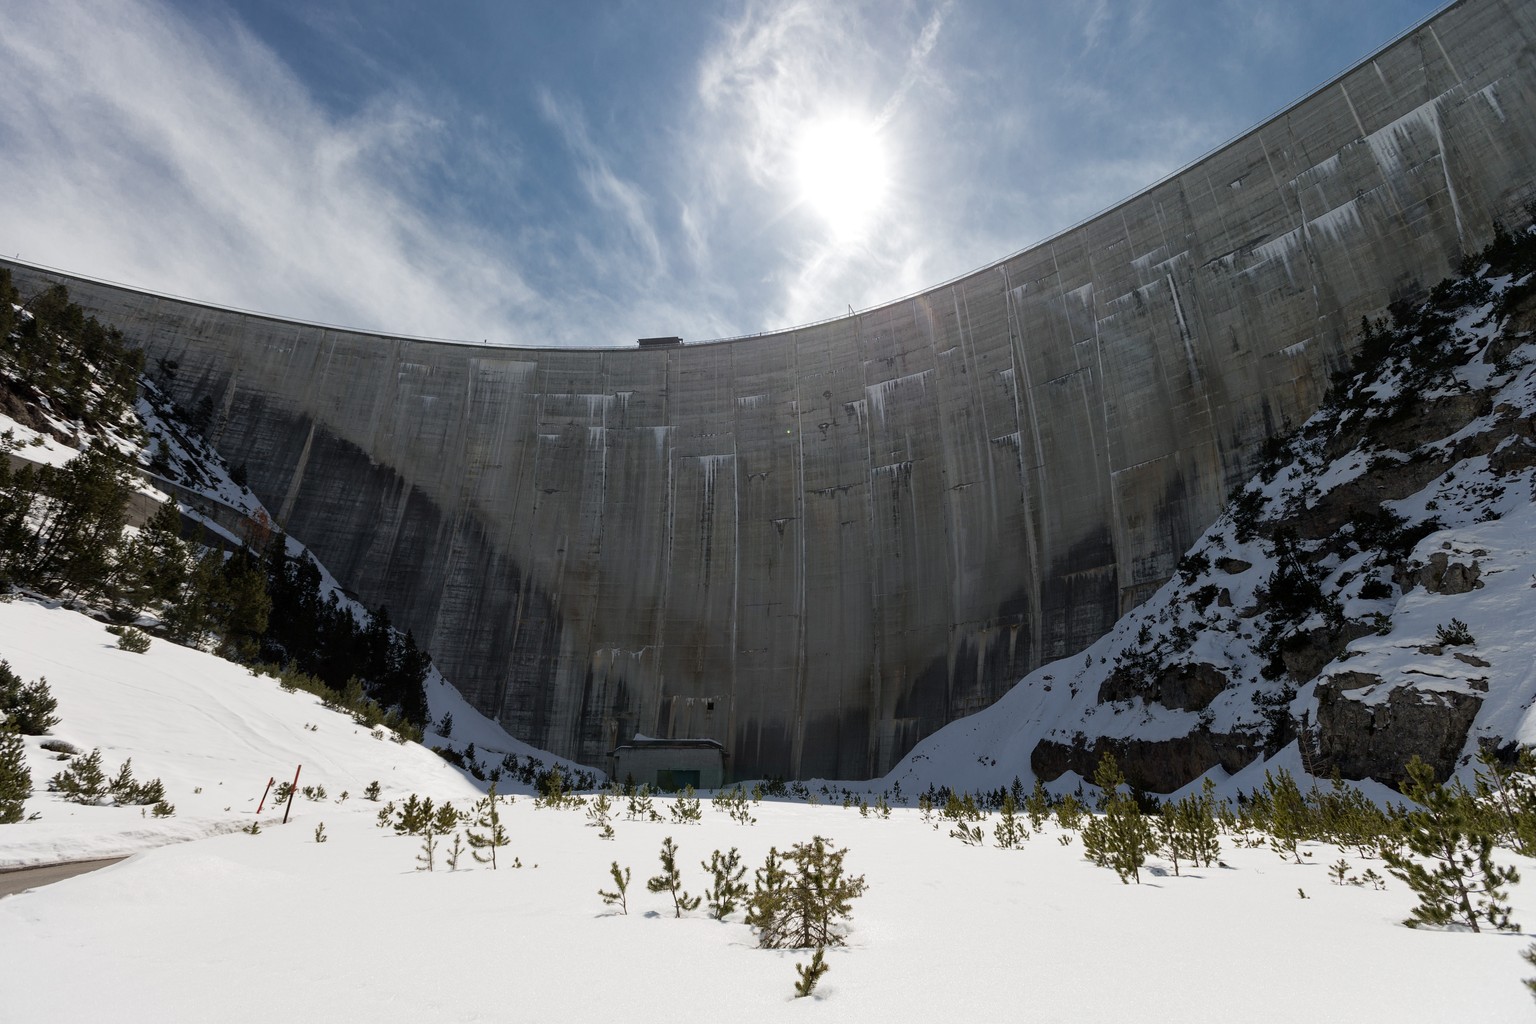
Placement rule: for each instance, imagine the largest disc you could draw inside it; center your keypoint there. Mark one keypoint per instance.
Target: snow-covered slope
(209, 729)
(276, 926)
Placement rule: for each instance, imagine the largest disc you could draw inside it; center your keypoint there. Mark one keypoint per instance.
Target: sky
(587, 173)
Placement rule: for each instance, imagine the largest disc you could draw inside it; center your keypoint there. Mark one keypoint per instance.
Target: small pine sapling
(1121, 838)
(1038, 806)
(970, 835)
(163, 809)
(132, 640)
(122, 786)
(1198, 825)
(1510, 790)
(253, 829)
(810, 974)
(727, 889)
(385, 815)
(1069, 813)
(84, 781)
(768, 906)
(598, 811)
(1170, 837)
(1010, 832)
(487, 834)
(426, 858)
(1455, 635)
(447, 818)
(1339, 871)
(28, 708)
(1455, 877)
(320, 835)
(415, 815)
(1289, 816)
(821, 894)
(455, 852)
(620, 895)
(372, 792)
(671, 881)
(639, 807)
(685, 809)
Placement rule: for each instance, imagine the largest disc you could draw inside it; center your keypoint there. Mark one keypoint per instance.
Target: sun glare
(842, 172)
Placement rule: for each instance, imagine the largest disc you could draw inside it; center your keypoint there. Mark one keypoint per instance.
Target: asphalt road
(22, 879)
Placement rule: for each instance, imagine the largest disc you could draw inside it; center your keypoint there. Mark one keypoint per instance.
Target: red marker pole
(270, 782)
(292, 792)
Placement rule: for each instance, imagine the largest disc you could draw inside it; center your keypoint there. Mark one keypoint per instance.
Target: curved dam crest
(820, 545)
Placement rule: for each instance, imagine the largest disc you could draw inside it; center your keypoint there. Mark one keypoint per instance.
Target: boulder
(1376, 739)
(1156, 766)
(1184, 687)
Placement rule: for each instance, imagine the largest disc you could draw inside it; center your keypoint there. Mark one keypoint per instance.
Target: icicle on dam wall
(820, 545)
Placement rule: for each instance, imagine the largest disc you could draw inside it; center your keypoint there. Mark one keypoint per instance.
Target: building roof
(648, 743)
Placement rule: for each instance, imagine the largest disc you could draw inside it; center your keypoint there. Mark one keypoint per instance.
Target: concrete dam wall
(820, 545)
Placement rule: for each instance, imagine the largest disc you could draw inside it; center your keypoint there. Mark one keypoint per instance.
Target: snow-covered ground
(239, 927)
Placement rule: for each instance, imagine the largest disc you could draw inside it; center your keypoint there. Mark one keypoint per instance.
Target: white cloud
(142, 147)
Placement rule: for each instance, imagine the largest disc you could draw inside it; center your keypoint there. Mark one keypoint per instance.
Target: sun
(841, 168)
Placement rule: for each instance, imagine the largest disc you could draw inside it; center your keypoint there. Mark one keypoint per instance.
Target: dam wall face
(820, 545)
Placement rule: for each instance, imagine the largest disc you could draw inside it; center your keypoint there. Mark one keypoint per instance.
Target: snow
(240, 927)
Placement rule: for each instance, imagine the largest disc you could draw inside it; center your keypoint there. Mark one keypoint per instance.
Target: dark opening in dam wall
(818, 546)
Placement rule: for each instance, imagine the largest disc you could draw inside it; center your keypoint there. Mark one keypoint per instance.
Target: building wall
(820, 545)
(642, 765)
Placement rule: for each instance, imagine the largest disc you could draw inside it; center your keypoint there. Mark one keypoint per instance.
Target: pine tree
(1010, 833)
(1197, 824)
(640, 807)
(820, 895)
(767, 908)
(1289, 816)
(810, 974)
(15, 779)
(727, 889)
(1455, 878)
(1510, 792)
(154, 564)
(1038, 806)
(1171, 841)
(84, 781)
(620, 894)
(1069, 813)
(79, 513)
(455, 852)
(491, 836)
(1121, 838)
(685, 809)
(598, 811)
(27, 707)
(122, 787)
(425, 859)
(671, 881)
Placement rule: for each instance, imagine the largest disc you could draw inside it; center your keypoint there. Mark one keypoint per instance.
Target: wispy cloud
(606, 189)
(150, 149)
(178, 151)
